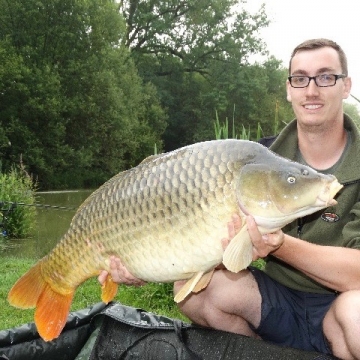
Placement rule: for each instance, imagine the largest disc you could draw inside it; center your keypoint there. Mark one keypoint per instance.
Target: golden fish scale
(164, 219)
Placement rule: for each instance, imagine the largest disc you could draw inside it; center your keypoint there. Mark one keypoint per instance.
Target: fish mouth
(326, 197)
(325, 202)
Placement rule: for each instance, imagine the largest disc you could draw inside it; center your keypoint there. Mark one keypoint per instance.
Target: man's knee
(342, 325)
(229, 302)
(346, 308)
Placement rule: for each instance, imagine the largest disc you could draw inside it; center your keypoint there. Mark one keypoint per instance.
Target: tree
(73, 104)
(196, 53)
(196, 32)
(252, 95)
(184, 47)
(76, 107)
(29, 110)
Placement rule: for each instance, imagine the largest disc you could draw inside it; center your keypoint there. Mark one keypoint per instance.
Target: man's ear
(347, 87)
(288, 87)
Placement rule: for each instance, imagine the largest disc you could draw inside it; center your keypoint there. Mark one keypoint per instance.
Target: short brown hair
(318, 44)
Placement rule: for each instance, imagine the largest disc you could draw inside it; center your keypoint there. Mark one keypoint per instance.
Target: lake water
(51, 224)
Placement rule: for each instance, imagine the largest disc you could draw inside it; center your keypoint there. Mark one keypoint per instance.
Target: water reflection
(50, 226)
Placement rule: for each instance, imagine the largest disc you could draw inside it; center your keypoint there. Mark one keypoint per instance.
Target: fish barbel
(165, 219)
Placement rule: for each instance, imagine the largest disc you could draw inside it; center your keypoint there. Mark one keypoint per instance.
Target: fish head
(278, 191)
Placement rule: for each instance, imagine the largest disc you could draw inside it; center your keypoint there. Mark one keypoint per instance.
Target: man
(308, 295)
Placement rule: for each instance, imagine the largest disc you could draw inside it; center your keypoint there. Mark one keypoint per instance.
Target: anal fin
(203, 282)
(238, 254)
(108, 290)
(196, 283)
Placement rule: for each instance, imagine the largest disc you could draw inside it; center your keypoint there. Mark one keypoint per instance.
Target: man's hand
(265, 244)
(119, 274)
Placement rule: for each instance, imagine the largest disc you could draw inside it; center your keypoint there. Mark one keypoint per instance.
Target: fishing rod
(13, 205)
(6, 207)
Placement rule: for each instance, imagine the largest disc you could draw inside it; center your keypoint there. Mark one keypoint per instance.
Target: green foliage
(191, 51)
(257, 92)
(222, 129)
(193, 33)
(17, 187)
(71, 101)
(88, 87)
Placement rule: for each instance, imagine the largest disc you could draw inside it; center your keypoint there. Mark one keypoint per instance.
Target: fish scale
(165, 220)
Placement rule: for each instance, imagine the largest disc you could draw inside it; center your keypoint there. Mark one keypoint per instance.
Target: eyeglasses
(323, 80)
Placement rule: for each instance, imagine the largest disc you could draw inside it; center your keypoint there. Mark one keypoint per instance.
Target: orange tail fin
(27, 290)
(52, 308)
(51, 313)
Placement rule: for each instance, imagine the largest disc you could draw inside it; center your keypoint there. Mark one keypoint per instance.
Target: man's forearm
(337, 268)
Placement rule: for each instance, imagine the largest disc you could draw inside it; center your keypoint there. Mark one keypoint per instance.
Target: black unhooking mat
(121, 332)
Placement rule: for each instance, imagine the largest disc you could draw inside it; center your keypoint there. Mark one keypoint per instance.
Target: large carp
(165, 219)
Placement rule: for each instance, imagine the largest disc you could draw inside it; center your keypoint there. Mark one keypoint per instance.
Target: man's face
(313, 105)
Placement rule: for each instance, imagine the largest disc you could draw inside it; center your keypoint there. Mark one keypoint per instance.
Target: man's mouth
(312, 107)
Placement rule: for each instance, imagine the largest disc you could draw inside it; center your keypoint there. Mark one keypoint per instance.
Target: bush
(17, 195)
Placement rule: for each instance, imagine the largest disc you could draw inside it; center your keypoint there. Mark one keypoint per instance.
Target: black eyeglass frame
(337, 76)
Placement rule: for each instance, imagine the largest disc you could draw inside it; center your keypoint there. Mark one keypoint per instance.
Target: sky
(293, 21)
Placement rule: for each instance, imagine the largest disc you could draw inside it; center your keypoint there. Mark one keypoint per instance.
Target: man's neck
(323, 148)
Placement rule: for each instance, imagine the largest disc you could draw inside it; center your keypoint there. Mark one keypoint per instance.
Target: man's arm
(337, 268)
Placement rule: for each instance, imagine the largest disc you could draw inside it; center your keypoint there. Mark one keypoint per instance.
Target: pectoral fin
(238, 254)
(196, 283)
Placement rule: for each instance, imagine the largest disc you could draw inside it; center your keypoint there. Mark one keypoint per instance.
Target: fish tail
(52, 308)
(51, 313)
(27, 290)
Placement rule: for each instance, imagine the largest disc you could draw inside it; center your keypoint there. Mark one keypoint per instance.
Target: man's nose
(312, 87)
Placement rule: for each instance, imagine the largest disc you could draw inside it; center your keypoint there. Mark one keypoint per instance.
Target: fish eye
(291, 179)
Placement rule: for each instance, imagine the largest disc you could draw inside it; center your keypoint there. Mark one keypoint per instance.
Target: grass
(155, 298)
